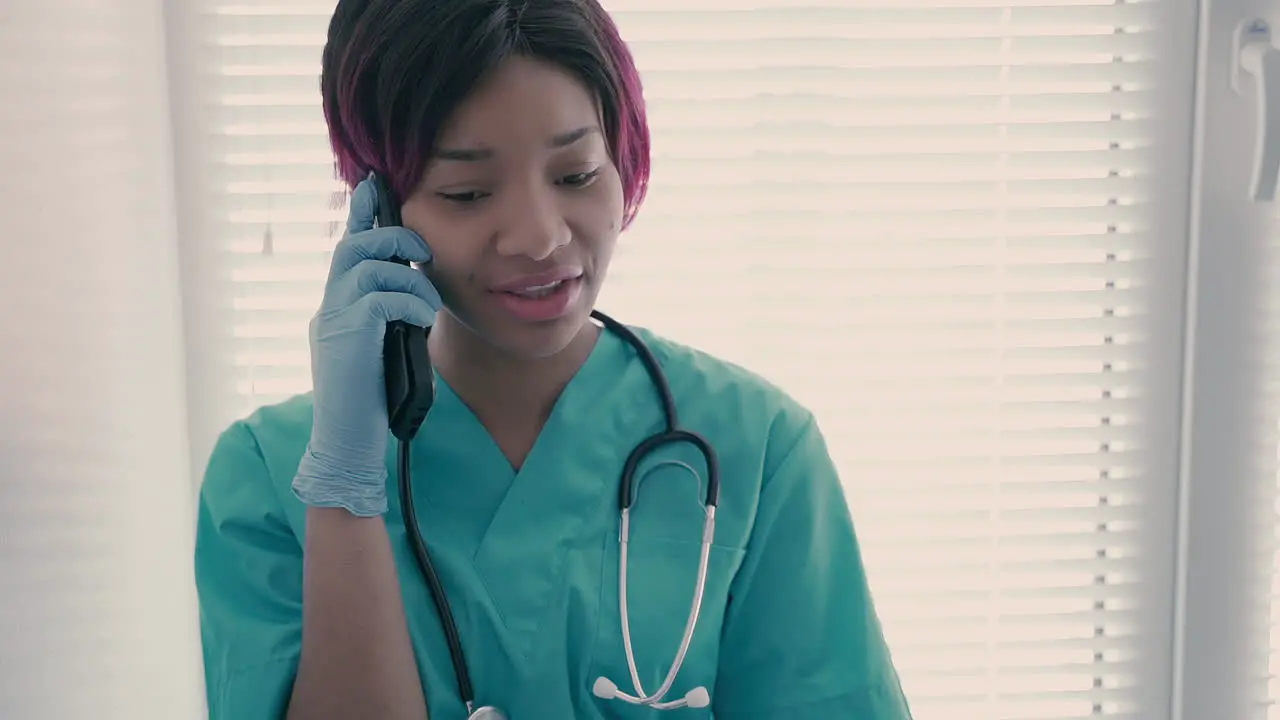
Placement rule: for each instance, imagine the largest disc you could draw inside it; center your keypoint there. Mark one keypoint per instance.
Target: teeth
(539, 291)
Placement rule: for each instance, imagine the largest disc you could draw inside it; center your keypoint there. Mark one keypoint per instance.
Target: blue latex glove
(345, 462)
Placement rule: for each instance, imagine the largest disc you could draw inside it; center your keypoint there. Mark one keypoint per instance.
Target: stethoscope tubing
(686, 639)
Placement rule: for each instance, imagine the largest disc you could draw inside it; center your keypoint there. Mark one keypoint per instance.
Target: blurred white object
(97, 609)
(1258, 58)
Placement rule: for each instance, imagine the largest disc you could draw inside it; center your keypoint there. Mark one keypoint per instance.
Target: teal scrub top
(529, 559)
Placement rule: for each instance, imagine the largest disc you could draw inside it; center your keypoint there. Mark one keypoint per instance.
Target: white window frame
(1220, 478)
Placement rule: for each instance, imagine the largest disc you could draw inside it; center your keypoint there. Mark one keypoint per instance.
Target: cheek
(603, 209)
(450, 274)
(452, 262)
(615, 200)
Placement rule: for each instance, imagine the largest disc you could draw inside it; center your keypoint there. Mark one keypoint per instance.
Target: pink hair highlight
(357, 150)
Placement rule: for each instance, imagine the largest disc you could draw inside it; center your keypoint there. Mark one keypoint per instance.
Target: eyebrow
(479, 154)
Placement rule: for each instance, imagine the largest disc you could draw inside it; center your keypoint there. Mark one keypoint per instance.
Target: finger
(392, 306)
(380, 276)
(363, 207)
(378, 244)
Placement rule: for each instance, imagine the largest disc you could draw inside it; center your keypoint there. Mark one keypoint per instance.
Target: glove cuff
(317, 484)
(313, 496)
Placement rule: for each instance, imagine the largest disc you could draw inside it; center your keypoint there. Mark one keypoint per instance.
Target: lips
(541, 303)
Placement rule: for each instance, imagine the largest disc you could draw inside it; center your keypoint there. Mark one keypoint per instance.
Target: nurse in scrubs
(514, 131)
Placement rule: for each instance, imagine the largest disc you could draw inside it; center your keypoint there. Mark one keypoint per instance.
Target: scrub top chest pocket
(667, 518)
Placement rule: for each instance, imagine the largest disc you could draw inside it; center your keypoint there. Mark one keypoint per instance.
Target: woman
(514, 132)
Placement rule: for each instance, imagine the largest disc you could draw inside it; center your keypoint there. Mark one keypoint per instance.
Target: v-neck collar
(590, 380)
(567, 479)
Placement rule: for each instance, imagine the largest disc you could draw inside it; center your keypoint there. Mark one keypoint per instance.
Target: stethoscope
(603, 688)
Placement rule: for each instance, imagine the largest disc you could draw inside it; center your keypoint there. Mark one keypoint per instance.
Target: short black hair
(393, 71)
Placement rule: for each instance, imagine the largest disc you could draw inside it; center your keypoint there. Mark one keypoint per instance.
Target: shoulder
(254, 460)
(282, 430)
(737, 409)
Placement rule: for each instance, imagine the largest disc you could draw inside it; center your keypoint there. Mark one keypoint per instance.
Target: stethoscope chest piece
(487, 713)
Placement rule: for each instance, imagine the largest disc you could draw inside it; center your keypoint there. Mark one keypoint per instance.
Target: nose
(533, 225)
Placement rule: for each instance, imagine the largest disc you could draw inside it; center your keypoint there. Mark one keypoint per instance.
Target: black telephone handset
(411, 384)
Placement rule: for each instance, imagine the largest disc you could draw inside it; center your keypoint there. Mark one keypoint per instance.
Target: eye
(464, 198)
(578, 180)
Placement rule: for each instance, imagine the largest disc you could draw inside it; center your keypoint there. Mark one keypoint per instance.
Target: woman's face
(521, 207)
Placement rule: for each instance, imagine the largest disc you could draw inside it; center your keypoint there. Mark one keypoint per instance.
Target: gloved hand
(345, 461)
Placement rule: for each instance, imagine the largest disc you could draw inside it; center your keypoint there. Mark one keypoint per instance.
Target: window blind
(928, 220)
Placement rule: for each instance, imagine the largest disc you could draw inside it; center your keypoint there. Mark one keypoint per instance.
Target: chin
(520, 331)
(527, 340)
(538, 341)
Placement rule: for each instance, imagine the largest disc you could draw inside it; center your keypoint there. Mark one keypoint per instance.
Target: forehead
(523, 102)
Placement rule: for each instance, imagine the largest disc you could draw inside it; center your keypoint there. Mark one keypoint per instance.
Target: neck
(498, 386)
